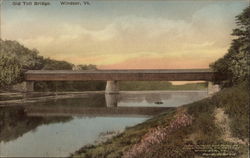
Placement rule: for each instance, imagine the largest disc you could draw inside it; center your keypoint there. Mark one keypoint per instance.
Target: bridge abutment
(29, 86)
(212, 88)
(112, 87)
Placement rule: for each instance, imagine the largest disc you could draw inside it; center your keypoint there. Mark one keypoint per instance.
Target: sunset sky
(126, 34)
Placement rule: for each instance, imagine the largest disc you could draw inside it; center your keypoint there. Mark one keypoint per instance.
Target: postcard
(124, 78)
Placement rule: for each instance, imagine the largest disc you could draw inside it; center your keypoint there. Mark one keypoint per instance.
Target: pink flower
(158, 135)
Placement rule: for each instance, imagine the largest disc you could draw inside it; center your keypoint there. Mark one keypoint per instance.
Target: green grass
(203, 130)
(235, 101)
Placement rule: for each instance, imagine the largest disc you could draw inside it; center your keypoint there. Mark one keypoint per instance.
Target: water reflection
(153, 98)
(14, 122)
(58, 127)
(160, 99)
(107, 105)
(111, 100)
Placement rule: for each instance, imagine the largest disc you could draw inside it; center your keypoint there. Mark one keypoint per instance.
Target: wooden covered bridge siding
(113, 76)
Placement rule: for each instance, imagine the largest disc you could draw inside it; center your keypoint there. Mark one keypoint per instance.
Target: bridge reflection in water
(134, 104)
(53, 124)
(107, 106)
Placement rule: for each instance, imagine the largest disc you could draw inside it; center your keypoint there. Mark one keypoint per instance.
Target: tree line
(235, 63)
(15, 59)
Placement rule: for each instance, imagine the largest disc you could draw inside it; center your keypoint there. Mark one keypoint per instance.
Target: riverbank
(204, 128)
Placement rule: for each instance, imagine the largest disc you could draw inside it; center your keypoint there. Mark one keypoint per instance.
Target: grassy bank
(176, 133)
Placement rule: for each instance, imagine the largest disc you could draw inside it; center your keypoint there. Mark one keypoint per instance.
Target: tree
(235, 63)
(85, 67)
(10, 70)
(50, 64)
(14, 60)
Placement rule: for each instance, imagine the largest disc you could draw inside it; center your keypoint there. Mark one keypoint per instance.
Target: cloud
(126, 39)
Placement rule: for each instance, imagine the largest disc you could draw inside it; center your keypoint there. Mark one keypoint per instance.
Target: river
(60, 126)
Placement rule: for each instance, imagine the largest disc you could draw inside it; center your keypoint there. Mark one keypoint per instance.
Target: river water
(60, 126)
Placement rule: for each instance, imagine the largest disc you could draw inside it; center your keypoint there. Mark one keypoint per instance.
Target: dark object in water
(158, 102)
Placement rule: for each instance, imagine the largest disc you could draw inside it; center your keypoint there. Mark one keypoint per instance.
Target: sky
(126, 34)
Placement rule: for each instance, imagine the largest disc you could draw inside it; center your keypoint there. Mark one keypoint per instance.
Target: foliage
(158, 136)
(235, 63)
(50, 64)
(28, 59)
(14, 59)
(86, 67)
(235, 102)
(10, 70)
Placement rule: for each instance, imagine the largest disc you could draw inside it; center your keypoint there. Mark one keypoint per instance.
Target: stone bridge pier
(112, 87)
